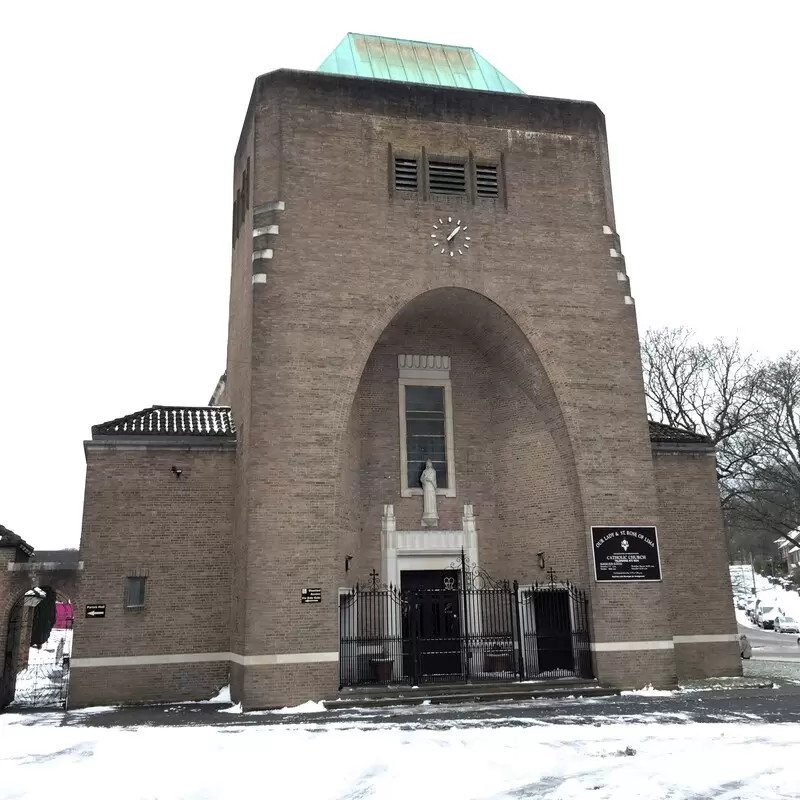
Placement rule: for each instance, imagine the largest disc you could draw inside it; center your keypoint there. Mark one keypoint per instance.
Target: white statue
(430, 518)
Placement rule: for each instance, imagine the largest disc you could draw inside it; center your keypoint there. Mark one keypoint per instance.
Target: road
(768, 644)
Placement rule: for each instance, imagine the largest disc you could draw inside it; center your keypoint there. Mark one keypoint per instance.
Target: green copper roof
(415, 62)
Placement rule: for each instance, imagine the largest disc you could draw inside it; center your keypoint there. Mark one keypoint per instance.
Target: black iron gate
(461, 625)
(555, 631)
(37, 651)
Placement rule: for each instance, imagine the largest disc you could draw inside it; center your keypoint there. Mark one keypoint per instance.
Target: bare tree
(713, 390)
(749, 410)
(769, 490)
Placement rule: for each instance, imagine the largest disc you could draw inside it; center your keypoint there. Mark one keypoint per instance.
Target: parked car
(741, 603)
(786, 625)
(766, 616)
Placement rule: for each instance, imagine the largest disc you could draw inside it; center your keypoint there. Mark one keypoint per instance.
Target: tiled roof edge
(158, 420)
(659, 432)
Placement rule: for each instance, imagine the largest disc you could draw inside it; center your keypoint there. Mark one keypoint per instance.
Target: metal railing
(472, 628)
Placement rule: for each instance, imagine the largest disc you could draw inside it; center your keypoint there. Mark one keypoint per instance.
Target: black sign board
(626, 553)
(96, 610)
(311, 595)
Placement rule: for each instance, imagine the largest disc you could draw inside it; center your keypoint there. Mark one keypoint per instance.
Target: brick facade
(545, 347)
(549, 420)
(140, 519)
(695, 561)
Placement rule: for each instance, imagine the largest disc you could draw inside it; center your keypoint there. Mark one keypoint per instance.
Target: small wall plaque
(96, 610)
(311, 595)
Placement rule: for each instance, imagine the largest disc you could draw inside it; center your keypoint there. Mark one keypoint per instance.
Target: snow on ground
(649, 691)
(320, 761)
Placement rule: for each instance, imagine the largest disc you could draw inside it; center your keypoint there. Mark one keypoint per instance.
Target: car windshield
(767, 609)
(788, 619)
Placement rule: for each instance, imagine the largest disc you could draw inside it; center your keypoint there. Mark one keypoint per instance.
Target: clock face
(451, 236)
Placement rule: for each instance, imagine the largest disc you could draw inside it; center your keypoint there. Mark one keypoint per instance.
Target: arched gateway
(37, 650)
(432, 349)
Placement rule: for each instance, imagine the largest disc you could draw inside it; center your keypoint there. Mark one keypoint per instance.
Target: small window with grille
(134, 592)
(405, 174)
(486, 183)
(447, 177)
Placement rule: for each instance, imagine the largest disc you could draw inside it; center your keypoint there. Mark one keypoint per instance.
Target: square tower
(425, 264)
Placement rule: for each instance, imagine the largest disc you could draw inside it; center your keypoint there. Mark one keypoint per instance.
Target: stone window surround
(416, 370)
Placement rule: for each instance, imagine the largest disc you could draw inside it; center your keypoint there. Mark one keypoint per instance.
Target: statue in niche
(430, 518)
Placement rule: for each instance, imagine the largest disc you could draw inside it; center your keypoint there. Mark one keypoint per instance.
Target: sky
(118, 127)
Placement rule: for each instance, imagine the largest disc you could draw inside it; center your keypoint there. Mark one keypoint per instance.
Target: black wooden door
(431, 625)
(553, 630)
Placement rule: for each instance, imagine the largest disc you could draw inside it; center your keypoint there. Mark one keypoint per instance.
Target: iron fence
(555, 631)
(36, 675)
(468, 627)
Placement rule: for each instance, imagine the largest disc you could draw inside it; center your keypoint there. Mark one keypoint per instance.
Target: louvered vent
(486, 180)
(405, 174)
(446, 178)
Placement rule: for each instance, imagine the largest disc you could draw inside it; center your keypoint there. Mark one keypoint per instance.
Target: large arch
(514, 455)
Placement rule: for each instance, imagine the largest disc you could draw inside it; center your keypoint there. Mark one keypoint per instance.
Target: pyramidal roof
(415, 62)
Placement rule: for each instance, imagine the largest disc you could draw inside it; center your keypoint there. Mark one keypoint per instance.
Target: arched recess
(514, 458)
(36, 676)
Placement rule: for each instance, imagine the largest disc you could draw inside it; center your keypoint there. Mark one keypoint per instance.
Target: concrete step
(466, 693)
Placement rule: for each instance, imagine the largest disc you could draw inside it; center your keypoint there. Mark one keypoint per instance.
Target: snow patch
(237, 709)
(222, 696)
(649, 691)
(309, 707)
(93, 710)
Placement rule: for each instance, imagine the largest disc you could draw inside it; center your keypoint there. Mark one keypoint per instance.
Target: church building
(428, 459)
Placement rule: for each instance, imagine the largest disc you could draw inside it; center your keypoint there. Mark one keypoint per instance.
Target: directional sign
(311, 595)
(96, 610)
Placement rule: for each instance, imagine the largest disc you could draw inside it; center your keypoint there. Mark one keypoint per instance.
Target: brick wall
(507, 463)
(694, 560)
(350, 258)
(140, 520)
(637, 668)
(238, 384)
(91, 686)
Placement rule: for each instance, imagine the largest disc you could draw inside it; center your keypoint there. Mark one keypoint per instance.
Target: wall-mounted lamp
(33, 597)
(540, 556)
(347, 560)
(177, 470)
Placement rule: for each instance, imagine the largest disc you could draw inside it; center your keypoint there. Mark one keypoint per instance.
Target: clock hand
(453, 233)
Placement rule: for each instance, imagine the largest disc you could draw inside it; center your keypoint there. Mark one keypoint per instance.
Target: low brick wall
(707, 660)
(280, 685)
(636, 668)
(147, 683)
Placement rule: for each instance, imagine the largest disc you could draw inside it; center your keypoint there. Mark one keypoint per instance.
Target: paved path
(741, 705)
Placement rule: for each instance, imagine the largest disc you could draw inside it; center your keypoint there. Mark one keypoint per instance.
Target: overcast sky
(118, 129)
